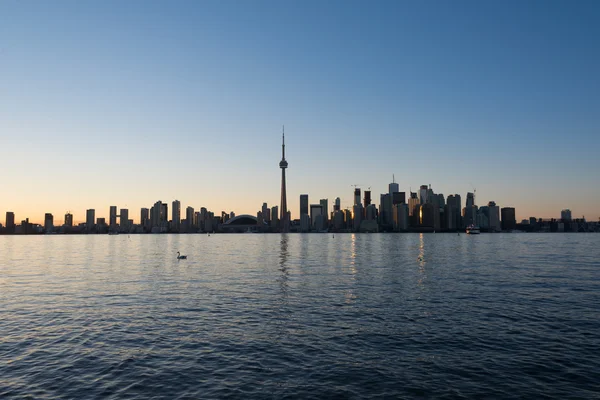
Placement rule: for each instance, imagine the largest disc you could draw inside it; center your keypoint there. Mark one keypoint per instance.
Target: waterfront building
(275, 223)
(303, 204)
(145, 218)
(426, 216)
(189, 216)
(367, 199)
(10, 222)
(69, 219)
(509, 222)
(266, 213)
(124, 220)
(401, 217)
(315, 211)
(565, 215)
(385, 209)
(337, 205)
(112, 216)
(494, 217)
(90, 218)
(357, 196)
(413, 202)
(176, 215)
(338, 220)
(305, 223)
(283, 164)
(371, 213)
(393, 187)
(48, 222)
(325, 209)
(423, 194)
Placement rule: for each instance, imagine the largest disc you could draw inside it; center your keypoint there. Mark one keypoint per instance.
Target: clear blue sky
(129, 102)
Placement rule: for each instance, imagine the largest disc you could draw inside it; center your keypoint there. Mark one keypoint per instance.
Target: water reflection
(422, 262)
(283, 268)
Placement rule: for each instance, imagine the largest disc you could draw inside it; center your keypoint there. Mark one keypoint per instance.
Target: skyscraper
(337, 205)
(48, 222)
(124, 220)
(303, 205)
(508, 218)
(145, 218)
(69, 219)
(283, 164)
(325, 208)
(112, 219)
(357, 196)
(176, 215)
(90, 219)
(393, 187)
(10, 221)
(423, 194)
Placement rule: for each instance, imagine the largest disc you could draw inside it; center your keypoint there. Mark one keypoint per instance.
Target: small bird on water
(180, 257)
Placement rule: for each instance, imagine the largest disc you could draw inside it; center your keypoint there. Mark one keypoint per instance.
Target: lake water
(309, 316)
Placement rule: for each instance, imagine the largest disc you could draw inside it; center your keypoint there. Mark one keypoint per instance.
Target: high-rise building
(164, 214)
(303, 205)
(494, 217)
(90, 219)
(176, 215)
(48, 222)
(315, 211)
(337, 205)
(413, 202)
(124, 220)
(68, 219)
(112, 219)
(401, 217)
(565, 215)
(274, 217)
(356, 196)
(325, 209)
(10, 222)
(393, 187)
(189, 216)
(367, 199)
(398, 198)
(509, 221)
(145, 218)
(266, 213)
(423, 194)
(283, 164)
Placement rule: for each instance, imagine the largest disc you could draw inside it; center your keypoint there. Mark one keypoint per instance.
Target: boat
(473, 229)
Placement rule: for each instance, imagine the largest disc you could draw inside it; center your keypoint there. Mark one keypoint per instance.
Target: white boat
(473, 229)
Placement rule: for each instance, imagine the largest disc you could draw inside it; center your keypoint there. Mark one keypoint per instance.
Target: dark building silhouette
(508, 218)
(398, 198)
(303, 204)
(10, 222)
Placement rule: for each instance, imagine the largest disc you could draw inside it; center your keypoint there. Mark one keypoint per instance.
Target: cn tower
(283, 214)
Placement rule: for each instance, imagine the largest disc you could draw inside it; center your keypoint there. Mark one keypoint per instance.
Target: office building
(423, 194)
(509, 221)
(189, 216)
(10, 222)
(48, 222)
(398, 198)
(266, 213)
(90, 219)
(367, 199)
(69, 219)
(494, 217)
(565, 215)
(176, 215)
(337, 205)
(315, 211)
(145, 218)
(303, 204)
(124, 220)
(413, 202)
(401, 217)
(112, 218)
(393, 187)
(325, 209)
(356, 196)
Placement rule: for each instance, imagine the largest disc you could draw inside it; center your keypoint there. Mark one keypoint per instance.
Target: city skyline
(116, 104)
